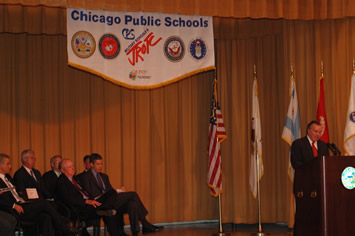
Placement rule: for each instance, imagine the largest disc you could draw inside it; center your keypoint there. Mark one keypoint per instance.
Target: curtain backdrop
(155, 141)
(287, 9)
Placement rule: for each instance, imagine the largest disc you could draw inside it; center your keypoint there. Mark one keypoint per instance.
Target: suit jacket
(68, 193)
(50, 181)
(302, 152)
(6, 198)
(78, 176)
(24, 180)
(89, 182)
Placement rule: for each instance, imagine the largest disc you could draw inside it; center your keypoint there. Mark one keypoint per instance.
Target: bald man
(69, 191)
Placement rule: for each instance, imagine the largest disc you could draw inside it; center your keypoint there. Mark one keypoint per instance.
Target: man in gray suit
(98, 183)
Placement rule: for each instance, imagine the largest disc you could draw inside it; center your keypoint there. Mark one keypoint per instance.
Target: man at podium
(308, 147)
(304, 150)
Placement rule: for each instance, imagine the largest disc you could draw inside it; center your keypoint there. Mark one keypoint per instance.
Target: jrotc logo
(109, 46)
(198, 49)
(83, 44)
(174, 49)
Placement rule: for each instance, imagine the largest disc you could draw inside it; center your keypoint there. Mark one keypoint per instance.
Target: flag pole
(220, 229)
(260, 230)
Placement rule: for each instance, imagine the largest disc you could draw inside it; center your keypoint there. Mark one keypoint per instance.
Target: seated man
(98, 183)
(50, 177)
(87, 166)
(39, 209)
(70, 192)
(28, 177)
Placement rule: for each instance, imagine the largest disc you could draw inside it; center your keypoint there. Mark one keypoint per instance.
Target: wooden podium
(324, 206)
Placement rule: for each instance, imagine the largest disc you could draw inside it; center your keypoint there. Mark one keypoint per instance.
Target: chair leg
(96, 227)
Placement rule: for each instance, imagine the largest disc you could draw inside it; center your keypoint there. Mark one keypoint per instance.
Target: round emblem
(352, 116)
(83, 44)
(174, 49)
(133, 75)
(348, 177)
(109, 46)
(198, 49)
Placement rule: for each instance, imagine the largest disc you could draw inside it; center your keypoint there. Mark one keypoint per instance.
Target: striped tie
(13, 191)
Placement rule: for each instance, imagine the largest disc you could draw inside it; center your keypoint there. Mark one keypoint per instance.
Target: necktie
(100, 182)
(82, 191)
(315, 151)
(33, 175)
(13, 191)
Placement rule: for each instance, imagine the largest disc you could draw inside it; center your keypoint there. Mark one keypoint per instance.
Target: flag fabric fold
(292, 129)
(321, 115)
(256, 155)
(217, 134)
(349, 133)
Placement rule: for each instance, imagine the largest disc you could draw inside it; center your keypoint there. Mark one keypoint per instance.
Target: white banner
(139, 49)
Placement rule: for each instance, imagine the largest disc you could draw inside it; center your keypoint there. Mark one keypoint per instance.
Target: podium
(324, 206)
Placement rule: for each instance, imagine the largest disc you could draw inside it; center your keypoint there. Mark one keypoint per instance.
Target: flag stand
(220, 230)
(260, 230)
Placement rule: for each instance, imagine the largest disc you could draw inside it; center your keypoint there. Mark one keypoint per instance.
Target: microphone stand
(338, 153)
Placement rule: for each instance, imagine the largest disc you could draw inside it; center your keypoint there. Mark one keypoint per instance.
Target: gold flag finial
(254, 71)
(321, 68)
(291, 71)
(215, 86)
(353, 66)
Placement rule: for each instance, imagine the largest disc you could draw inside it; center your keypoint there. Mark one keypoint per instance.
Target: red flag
(321, 116)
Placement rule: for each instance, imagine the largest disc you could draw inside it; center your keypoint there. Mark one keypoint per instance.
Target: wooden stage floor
(208, 229)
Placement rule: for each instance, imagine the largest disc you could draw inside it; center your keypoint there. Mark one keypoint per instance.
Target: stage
(210, 228)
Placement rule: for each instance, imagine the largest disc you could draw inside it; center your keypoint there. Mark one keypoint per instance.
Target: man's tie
(13, 191)
(315, 151)
(100, 182)
(82, 191)
(33, 175)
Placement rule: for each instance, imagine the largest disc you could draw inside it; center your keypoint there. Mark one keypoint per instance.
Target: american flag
(217, 134)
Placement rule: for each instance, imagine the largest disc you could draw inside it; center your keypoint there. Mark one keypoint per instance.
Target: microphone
(330, 146)
(336, 149)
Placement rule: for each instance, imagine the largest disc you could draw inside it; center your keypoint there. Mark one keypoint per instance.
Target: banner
(139, 49)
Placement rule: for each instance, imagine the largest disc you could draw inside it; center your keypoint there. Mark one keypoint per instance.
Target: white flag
(256, 143)
(292, 130)
(349, 133)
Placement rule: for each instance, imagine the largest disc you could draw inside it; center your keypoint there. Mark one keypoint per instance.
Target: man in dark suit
(50, 177)
(307, 148)
(72, 193)
(39, 210)
(98, 183)
(28, 177)
(304, 150)
(87, 166)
